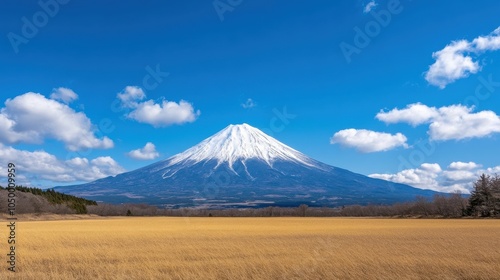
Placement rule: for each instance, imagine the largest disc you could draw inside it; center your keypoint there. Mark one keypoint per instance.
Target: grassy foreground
(256, 248)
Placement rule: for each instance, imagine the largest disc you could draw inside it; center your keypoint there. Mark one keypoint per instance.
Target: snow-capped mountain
(241, 166)
(238, 144)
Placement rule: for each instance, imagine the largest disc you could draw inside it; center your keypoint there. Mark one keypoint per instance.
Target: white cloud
(164, 114)
(103, 167)
(490, 42)
(455, 61)
(249, 104)
(451, 64)
(458, 165)
(431, 167)
(459, 176)
(369, 7)
(368, 141)
(458, 122)
(446, 123)
(40, 165)
(157, 114)
(131, 95)
(30, 118)
(148, 152)
(423, 177)
(493, 170)
(65, 95)
(461, 172)
(414, 114)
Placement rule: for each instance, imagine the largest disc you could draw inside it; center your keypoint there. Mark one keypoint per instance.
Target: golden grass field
(256, 248)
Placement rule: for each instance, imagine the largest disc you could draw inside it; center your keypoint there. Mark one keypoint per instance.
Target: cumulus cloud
(454, 61)
(461, 172)
(458, 122)
(488, 43)
(40, 165)
(148, 152)
(446, 123)
(131, 95)
(423, 177)
(459, 176)
(414, 114)
(160, 114)
(103, 167)
(30, 118)
(493, 170)
(368, 141)
(368, 7)
(249, 104)
(458, 165)
(431, 167)
(65, 95)
(165, 113)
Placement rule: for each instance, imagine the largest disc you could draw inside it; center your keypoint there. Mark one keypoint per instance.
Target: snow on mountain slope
(240, 143)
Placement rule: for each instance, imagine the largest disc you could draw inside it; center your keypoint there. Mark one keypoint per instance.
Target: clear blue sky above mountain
(383, 88)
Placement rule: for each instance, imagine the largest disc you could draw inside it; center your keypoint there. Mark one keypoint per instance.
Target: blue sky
(403, 90)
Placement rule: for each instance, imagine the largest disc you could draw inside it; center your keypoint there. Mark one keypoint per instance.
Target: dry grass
(257, 248)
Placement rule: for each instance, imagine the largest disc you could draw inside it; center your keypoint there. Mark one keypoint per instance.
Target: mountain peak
(238, 128)
(240, 125)
(241, 142)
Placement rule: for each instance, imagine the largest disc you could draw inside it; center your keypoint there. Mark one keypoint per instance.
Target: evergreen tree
(484, 200)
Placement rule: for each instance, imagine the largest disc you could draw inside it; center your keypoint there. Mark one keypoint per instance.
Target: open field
(256, 248)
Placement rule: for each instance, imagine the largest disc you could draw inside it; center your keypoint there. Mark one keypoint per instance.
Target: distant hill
(35, 200)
